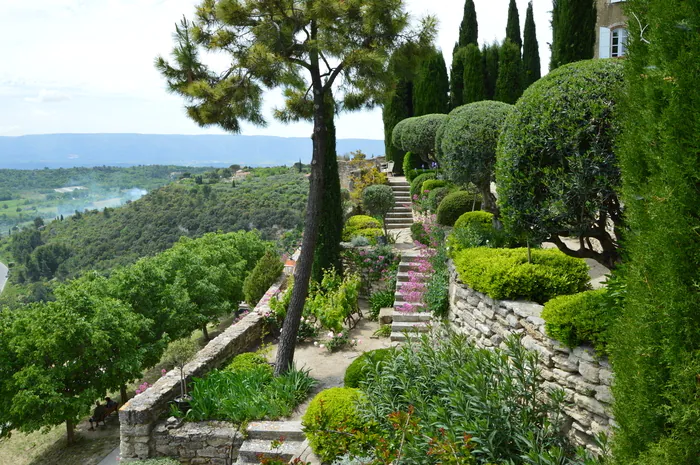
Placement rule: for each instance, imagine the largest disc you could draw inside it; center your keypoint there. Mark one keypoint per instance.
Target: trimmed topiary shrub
(480, 218)
(583, 317)
(432, 184)
(437, 195)
(377, 200)
(505, 274)
(247, 361)
(411, 163)
(417, 183)
(331, 416)
(455, 205)
(357, 371)
(265, 273)
(359, 222)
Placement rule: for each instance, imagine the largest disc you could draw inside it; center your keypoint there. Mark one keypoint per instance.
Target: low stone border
(584, 377)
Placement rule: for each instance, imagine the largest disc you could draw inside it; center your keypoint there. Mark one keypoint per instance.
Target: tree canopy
(431, 88)
(531, 50)
(417, 134)
(513, 24)
(474, 89)
(573, 31)
(509, 85)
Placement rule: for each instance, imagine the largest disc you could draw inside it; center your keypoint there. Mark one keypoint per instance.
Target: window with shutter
(604, 41)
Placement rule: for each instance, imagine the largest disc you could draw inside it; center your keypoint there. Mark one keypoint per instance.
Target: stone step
(270, 430)
(404, 277)
(404, 317)
(398, 226)
(400, 185)
(401, 199)
(401, 337)
(252, 449)
(401, 326)
(408, 215)
(416, 306)
(407, 266)
(402, 221)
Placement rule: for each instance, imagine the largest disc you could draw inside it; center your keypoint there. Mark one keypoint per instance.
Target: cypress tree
(531, 53)
(513, 25)
(509, 86)
(330, 229)
(469, 29)
(474, 88)
(457, 77)
(489, 56)
(656, 345)
(432, 86)
(573, 31)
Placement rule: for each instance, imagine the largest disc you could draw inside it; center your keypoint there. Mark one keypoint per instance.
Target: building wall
(610, 15)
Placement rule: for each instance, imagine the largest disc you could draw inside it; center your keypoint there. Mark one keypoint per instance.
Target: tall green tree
(656, 351)
(432, 86)
(469, 28)
(573, 31)
(457, 77)
(513, 24)
(531, 50)
(474, 79)
(306, 48)
(509, 85)
(489, 55)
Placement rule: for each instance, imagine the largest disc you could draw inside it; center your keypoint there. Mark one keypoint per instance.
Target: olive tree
(306, 48)
(556, 170)
(378, 199)
(468, 144)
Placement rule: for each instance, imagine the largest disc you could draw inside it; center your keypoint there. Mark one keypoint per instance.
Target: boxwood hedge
(455, 205)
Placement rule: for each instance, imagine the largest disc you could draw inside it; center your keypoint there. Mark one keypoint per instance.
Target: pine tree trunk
(70, 432)
(302, 274)
(122, 394)
(205, 331)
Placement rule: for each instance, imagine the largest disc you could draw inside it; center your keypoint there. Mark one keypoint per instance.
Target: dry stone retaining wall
(584, 377)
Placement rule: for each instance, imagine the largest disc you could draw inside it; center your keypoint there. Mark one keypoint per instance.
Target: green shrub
(371, 234)
(583, 317)
(358, 222)
(437, 195)
(379, 300)
(479, 217)
(248, 361)
(265, 273)
(411, 163)
(377, 200)
(455, 205)
(358, 369)
(329, 421)
(418, 181)
(506, 273)
(418, 233)
(431, 184)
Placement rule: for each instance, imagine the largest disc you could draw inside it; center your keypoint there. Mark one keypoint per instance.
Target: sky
(86, 66)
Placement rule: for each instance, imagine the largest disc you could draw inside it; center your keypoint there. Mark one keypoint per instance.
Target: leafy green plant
(366, 177)
(337, 341)
(358, 369)
(331, 415)
(431, 184)
(476, 217)
(178, 354)
(436, 195)
(411, 163)
(417, 183)
(583, 317)
(383, 331)
(419, 234)
(379, 300)
(334, 300)
(247, 361)
(506, 273)
(378, 200)
(455, 205)
(376, 267)
(359, 223)
(265, 273)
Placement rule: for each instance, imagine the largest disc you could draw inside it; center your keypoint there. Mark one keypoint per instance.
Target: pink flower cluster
(415, 288)
(142, 387)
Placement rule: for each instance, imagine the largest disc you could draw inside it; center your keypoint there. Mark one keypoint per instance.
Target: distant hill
(69, 150)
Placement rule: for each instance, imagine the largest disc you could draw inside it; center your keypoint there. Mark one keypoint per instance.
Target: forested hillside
(270, 200)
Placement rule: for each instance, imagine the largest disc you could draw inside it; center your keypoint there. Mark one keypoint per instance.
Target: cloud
(8, 129)
(48, 96)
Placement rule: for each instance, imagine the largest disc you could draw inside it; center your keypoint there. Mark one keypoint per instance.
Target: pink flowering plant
(375, 266)
(337, 341)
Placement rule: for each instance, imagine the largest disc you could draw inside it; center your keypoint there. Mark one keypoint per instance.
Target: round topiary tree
(477, 218)
(417, 135)
(468, 145)
(456, 204)
(358, 369)
(556, 169)
(378, 200)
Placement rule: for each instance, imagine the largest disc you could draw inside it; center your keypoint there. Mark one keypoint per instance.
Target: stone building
(611, 31)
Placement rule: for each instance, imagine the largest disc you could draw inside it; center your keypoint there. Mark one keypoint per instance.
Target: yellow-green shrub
(479, 218)
(248, 361)
(330, 420)
(506, 274)
(358, 369)
(359, 222)
(432, 184)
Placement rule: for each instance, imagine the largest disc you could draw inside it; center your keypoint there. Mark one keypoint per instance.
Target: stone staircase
(410, 323)
(262, 434)
(401, 216)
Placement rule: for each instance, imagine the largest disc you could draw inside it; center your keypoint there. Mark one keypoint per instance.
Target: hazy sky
(85, 66)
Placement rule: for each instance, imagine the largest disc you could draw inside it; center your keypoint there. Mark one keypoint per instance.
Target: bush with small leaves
(480, 218)
(417, 183)
(377, 200)
(432, 184)
(248, 361)
(455, 205)
(358, 369)
(437, 195)
(356, 223)
(419, 234)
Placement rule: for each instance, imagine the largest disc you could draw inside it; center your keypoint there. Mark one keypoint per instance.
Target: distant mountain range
(69, 150)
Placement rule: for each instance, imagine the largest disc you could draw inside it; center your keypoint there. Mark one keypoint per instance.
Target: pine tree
(430, 92)
(573, 31)
(509, 86)
(474, 88)
(513, 25)
(469, 29)
(531, 53)
(457, 77)
(490, 56)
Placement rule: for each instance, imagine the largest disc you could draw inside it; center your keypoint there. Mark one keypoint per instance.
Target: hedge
(431, 184)
(479, 218)
(358, 369)
(359, 222)
(411, 163)
(505, 274)
(578, 318)
(417, 183)
(437, 195)
(455, 205)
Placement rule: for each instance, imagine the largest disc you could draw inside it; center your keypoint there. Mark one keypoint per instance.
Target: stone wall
(144, 431)
(584, 378)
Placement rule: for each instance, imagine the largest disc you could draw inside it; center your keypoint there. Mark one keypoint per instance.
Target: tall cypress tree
(432, 86)
(469, 29)
(489, 55)
(509, 86)
(474, 87)
(573, 31)
(330, 229)
(531, 53)
(457, 77)
(513, 25)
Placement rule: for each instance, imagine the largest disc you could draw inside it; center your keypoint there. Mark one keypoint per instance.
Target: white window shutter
(604, 43)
